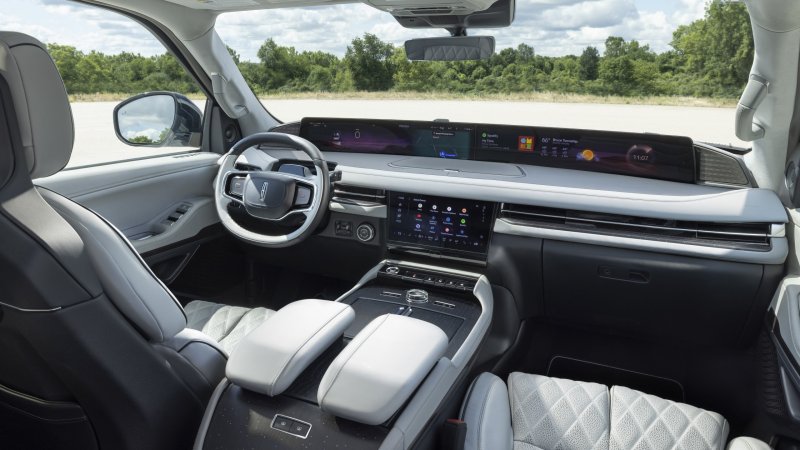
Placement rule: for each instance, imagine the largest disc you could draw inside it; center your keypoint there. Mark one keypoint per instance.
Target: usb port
(391, 294)
(444, 304)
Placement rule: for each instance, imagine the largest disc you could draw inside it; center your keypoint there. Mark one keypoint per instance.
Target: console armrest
(271, 357)
(380, 368)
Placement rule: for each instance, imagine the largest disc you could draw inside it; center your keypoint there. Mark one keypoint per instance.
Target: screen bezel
(394, 245)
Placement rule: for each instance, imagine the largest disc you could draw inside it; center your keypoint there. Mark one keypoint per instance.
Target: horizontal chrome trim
(775, 255)
(30, 310)
(640, 225)
(358, 194)
(351, 201)
(377, 211)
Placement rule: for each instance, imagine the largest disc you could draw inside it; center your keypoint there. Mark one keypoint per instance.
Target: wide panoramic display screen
(429, 139)
(447, 224)
(642, 155)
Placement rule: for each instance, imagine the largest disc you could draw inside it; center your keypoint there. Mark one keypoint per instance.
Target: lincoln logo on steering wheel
(264, 190)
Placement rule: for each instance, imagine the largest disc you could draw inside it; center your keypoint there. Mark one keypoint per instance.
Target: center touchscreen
(446, 225)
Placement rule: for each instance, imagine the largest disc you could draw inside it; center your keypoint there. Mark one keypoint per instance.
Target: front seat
(535, 412)
(95, 350)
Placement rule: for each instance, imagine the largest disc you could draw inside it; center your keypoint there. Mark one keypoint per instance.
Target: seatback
(90, 356)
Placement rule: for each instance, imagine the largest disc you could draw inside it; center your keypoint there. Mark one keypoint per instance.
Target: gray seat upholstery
(535, 412)
(96, 351)
(225, 324)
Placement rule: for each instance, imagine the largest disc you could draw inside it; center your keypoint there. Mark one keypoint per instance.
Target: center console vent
(360, 196)
(743, 236)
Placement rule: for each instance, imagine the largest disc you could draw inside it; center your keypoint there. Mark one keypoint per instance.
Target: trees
(368, 60)
(710, 57)
(589, 64)
(717, 51)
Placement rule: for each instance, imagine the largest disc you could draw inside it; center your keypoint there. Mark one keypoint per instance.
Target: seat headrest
(40, 100)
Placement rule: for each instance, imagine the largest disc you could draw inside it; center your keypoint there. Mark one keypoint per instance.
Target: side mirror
(159, 119)
(459, 48)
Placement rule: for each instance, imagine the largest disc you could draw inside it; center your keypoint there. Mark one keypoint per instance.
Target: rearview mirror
(459, 48)
(158, 119)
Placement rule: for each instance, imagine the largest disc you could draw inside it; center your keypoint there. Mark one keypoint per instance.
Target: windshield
(672, 67)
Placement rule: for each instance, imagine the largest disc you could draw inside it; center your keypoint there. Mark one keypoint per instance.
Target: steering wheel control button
(417, 296)
(237, 186)
(303, 196)
(365, 232)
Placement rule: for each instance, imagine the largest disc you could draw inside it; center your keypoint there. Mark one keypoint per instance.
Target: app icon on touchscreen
(525, 143)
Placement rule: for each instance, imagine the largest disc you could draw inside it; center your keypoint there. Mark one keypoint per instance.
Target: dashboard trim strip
(776, 255)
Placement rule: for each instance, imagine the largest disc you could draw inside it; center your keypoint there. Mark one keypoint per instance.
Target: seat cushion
(557, 414)
(224, 323)
(552, 413)
(642, 421)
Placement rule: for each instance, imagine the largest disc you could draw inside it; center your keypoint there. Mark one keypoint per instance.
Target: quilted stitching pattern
(646, 422)
(249, 322)
(198, 312)
(556, 414)
(213, 319)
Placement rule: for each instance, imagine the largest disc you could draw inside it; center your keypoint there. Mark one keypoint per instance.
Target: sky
(551, 27)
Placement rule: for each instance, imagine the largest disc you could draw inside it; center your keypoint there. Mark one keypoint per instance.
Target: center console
(368, 371)
(372, 369)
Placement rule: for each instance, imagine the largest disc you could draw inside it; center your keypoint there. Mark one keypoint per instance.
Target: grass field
(544, 97)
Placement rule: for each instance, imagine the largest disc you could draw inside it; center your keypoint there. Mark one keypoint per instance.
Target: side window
(130, 97)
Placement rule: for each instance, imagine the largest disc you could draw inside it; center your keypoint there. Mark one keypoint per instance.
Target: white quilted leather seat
(535, 412)
(225, 324)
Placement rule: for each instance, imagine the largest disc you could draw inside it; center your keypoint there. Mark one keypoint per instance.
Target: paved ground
(95, 141)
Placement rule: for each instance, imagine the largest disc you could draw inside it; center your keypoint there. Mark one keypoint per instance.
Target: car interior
(368, 283)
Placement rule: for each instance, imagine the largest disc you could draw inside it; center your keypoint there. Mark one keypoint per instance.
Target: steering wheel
(273, 197)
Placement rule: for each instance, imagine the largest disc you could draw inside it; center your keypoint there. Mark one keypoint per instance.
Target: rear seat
(535, 412)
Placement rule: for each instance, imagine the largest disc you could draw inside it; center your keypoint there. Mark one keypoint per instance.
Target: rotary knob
(416, 296)
(365, 232)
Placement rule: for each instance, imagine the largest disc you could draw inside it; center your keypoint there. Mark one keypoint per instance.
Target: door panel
(785, 332)
(156, 202)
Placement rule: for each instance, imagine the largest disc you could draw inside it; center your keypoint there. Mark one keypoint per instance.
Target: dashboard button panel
(427, 277)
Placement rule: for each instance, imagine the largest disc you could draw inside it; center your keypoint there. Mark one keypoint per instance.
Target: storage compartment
(380, 369)
(705, 302)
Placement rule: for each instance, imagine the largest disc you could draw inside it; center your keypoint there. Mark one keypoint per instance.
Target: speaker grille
(717, 167)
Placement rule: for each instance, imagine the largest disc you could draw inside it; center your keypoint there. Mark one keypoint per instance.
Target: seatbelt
(454, 435)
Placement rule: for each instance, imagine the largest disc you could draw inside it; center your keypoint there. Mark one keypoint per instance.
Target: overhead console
(656, 156)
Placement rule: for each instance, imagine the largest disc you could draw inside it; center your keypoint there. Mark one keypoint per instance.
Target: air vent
(744, 236)
(361, 196)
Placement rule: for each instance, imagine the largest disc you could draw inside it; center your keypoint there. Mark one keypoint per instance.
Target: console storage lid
(380, 368)
(271, 357)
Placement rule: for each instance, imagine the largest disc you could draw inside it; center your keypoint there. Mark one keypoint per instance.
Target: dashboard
(655, 156)
(664, 194)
